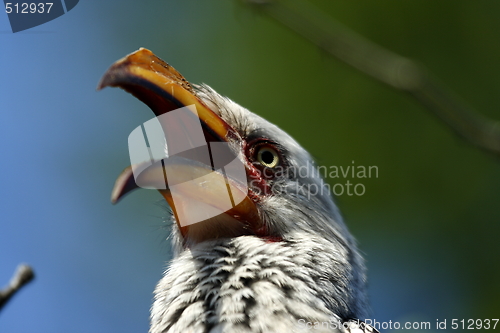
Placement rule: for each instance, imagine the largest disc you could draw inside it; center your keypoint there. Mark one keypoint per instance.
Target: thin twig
(385, 66)
(22, 276)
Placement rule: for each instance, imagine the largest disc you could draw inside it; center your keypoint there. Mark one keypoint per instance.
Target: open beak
(163, 89)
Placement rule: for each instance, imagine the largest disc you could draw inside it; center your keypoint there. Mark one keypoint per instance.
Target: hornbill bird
(281, 258)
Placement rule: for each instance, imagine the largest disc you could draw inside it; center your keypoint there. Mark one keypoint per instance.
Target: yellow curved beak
(163, 89)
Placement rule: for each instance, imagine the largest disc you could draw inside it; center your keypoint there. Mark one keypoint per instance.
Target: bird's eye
(268, 157)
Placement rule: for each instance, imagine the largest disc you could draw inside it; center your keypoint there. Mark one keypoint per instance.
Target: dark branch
(23, 275)
(385, 66)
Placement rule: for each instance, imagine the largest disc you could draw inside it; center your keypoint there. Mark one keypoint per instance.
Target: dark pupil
(267, 157)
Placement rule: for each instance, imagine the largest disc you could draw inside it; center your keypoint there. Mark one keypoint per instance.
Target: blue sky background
(428, 225)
